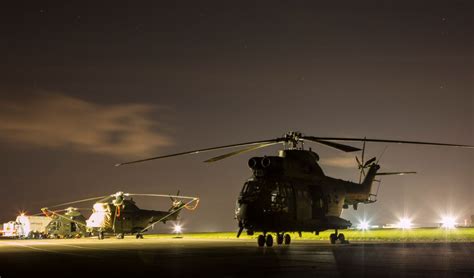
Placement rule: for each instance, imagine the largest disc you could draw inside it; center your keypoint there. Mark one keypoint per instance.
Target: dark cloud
(60, 121)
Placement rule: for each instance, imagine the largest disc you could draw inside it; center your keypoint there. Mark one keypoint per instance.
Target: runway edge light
(405, 223)
(448, 222)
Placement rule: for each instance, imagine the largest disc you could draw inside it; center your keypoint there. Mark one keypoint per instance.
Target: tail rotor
(176, 204)
(363, 165)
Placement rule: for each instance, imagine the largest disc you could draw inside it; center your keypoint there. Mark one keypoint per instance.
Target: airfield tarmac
(231, 258)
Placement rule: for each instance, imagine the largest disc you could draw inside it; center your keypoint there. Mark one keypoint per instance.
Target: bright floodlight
(404, 223)
(177, 229)
(448, 222)
(363, 225)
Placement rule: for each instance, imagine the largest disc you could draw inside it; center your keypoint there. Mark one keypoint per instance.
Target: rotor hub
(293, 139)
(119, 197)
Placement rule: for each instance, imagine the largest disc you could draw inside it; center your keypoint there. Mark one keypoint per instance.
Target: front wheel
(333, 238)
(341, 238)
(269, 241)
(101, 235)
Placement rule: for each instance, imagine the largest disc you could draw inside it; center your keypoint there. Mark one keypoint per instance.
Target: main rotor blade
(67, 218)
(163, 195)
(105, 199)
(173, 199)
(202, 151)
(393, 141)
(248, 149)
(66, 209)
(394, 173)
(78, 201)
(345, 148)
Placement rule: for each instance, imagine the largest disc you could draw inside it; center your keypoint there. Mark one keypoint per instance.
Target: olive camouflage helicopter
(291, 193)
(117, 215)
(71, 224)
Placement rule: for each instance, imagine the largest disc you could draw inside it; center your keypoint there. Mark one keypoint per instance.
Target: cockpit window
(244, 188)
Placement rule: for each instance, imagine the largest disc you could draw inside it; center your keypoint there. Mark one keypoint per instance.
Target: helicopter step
(267, 239)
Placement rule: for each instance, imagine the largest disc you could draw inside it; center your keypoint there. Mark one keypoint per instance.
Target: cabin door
(303, 203)
(318, 205)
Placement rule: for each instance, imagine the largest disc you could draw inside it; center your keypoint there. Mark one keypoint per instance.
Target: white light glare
(177, 229)
(404, 223)
(363, 225)
(448, 222)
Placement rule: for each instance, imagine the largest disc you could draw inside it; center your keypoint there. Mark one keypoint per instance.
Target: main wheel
(139, 236)
(287, 239)
(279, 239)
(269, 241)
(120, 235)
(341, 238)
(333, 238)
(261, 240)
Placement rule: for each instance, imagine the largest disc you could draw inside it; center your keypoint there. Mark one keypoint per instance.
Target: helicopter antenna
(382, 153)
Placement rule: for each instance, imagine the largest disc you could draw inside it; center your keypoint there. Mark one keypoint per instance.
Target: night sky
(84, 86)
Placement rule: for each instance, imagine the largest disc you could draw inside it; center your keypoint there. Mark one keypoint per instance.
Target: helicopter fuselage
(125, 219)
(290, 193)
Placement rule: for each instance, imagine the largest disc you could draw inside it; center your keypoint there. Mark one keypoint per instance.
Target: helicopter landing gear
(139, 236)
(283, 238)
(263, 240)
(279, 238)
(120, 236)
(333, 238)
(269, 241)
(287, 239)
(100, 236)
(341, 238)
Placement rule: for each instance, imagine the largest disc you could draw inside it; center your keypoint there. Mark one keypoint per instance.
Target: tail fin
(369, 179)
